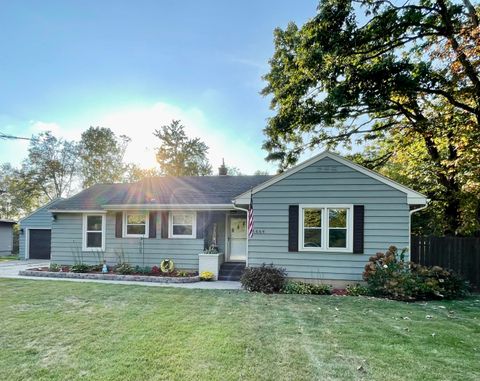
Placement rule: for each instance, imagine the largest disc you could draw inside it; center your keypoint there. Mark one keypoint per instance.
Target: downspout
(246, 211)
(410, 213)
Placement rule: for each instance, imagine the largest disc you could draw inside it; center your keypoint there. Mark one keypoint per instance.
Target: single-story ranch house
(320, 220)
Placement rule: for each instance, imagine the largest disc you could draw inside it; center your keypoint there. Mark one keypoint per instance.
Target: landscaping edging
(133, 278)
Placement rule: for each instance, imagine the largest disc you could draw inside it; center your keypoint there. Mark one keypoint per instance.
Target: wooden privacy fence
(461, 254)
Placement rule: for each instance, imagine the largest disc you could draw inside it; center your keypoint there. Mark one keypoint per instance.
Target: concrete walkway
(10, 270)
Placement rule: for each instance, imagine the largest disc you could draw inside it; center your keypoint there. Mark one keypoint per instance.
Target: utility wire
(12, 137)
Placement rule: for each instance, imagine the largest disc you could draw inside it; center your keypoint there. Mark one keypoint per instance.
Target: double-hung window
(135, 224)
(326, 228)
(182, 225)
(93, 232)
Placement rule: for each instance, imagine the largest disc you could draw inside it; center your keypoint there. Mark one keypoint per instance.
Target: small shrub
(183, 273)
(96, 268)
(124, 269)
(294, 287)
(54, 267)
(155, 270)
(142, 270)
(321, 289)
(356, 290)
(80, 268)
(267, 279)
(207, 275)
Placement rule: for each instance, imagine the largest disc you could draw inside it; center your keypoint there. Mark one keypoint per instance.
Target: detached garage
(36, 233)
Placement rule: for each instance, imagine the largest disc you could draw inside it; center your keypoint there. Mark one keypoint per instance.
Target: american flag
(250, 218)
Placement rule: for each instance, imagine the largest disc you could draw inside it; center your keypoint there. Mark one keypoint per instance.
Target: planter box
(210, 262)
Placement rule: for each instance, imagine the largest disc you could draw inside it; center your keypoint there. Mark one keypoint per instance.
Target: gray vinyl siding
(327, 182)
(6, 239)
(40, 219)
(67, 246)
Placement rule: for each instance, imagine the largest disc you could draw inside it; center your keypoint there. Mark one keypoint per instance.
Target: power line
(12, 137)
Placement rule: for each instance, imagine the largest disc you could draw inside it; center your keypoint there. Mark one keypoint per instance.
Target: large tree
(52, 164)
(101, 154)
(179, 155)
(19, 193)
(382, 72)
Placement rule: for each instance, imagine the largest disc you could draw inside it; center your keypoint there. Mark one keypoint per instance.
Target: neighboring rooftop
(191, 190)
(7, 221)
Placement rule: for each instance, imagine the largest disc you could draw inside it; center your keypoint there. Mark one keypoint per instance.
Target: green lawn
(9, 258)
(54, 330)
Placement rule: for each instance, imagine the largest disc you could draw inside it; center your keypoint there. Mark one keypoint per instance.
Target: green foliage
(211, 250)
(101, 156)
(80, 268)
(266, 278)
(183, 273)
(403, 78)
(207, 276)
(20, 194)
(179, 155)
(297, 287)
(54, 267)
(52, 164)
(388, 275)
(124, 269)
(357, 290)
(144, 270)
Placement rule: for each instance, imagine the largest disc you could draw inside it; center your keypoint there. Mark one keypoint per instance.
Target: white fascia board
(413, 197)
(169, 207)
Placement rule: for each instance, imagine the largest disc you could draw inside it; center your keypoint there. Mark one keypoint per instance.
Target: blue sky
(134, 65)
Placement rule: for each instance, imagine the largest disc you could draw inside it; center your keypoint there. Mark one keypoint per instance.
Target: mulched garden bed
(172, 277)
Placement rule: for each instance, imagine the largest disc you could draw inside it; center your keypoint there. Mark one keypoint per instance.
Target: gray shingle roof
(164, 190)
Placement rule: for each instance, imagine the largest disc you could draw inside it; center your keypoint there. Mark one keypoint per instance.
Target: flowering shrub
(155, 270)
(207, 275)
(267, 279)
(388, 275)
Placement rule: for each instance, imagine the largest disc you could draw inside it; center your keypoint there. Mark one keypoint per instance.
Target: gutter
(246, 211)
(410, 213)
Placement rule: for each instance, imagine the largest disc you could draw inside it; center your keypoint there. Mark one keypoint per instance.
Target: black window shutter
(118, 224)
(293, 228)
(358, 228)
(164, 227)
(152, 225)
(200, 224)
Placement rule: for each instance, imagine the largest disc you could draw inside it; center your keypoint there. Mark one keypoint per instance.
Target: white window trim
(325, 228)
(170, 225)
(84, 230)
(124, 225)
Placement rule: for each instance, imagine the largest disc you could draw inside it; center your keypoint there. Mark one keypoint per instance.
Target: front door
(237, 239)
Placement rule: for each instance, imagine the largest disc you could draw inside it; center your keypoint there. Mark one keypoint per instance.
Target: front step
(231, 271)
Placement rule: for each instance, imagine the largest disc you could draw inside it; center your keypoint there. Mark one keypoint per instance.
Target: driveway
(11, 269)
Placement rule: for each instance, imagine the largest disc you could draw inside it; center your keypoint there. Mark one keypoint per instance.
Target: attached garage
(36, 233)
(39, 243)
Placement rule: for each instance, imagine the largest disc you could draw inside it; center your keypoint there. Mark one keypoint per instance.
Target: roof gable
(413, 197)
